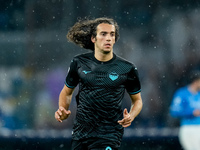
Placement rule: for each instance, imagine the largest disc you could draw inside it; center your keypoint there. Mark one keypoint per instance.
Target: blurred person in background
(102, 77)
(186, 106)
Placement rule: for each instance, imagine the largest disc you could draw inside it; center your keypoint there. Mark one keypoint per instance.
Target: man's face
(105, 38)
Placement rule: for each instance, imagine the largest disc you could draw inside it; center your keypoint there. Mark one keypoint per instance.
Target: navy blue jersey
(101, 90)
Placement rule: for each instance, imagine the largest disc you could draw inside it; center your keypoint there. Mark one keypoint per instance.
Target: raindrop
(61, 145)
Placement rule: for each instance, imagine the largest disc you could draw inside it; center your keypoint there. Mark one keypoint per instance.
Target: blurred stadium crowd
(162, 38)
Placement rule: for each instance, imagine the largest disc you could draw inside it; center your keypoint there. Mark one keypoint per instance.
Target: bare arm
(64, 101)
(136, 107)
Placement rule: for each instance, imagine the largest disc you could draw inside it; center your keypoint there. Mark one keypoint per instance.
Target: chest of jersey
(102, 75)
(194, 101)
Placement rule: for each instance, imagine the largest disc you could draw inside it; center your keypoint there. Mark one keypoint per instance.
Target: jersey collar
(102, 62)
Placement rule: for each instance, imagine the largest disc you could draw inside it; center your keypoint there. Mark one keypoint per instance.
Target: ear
(93, 39)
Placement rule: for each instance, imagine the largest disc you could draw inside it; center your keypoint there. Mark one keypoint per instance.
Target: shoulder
(83, 56)
(125, 62)
(181, 90)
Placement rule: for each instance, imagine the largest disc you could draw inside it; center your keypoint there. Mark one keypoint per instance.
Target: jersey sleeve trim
(132, 93)
(69, 86)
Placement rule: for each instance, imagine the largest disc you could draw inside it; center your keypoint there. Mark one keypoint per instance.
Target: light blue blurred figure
(186, 106)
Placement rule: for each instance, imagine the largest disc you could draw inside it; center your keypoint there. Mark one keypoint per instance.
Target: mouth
(107, 45)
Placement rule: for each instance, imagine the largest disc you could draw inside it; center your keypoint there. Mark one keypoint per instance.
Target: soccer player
(102, 77)
(186, 106)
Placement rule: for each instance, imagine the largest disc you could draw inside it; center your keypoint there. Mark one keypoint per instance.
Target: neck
(193, 88)
(103, 56)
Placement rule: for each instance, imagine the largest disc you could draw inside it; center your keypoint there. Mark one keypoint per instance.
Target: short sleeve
(132, 84)
(72, 78)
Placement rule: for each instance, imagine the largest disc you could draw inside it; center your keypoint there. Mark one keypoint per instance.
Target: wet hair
(82, 31)
(194, 75)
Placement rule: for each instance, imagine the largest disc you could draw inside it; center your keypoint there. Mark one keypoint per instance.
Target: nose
(108, 37)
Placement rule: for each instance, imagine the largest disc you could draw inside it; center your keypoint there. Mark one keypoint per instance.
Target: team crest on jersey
(108, 148)
(113, 76)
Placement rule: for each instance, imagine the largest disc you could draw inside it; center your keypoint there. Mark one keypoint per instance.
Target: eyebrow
(107, 32)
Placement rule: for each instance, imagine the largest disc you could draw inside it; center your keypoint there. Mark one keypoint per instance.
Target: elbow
(140, 104)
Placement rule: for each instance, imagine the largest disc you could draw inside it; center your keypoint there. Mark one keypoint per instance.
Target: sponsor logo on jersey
(113, 76)
(86, 72)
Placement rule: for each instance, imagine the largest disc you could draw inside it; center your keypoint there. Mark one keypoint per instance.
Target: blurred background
(161, 37)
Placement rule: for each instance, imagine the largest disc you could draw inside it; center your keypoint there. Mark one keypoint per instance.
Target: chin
(107, 51)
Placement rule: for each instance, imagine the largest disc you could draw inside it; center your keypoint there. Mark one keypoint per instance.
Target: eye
(112, 34)
(103, 33)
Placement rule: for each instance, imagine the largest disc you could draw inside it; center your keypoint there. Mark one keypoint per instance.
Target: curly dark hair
(83, 30)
